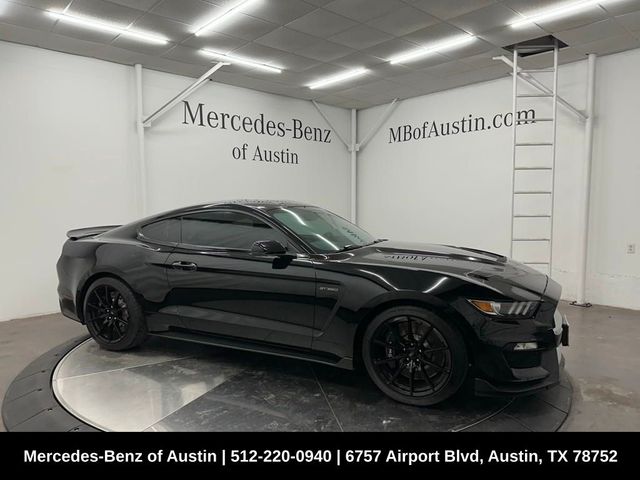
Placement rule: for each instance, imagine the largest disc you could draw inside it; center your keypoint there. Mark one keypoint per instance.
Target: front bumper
(524, 373)
(483, 387)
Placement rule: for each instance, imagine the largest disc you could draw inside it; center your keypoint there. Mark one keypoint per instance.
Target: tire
(414, 356)
(113, 316)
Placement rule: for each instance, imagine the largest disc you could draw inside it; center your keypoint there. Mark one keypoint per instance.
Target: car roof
(250, 204)
(259, 203)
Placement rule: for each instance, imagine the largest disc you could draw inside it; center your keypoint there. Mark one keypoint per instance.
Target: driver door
(219, 287)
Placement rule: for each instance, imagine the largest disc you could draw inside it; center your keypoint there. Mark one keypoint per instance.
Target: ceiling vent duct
(536, 46)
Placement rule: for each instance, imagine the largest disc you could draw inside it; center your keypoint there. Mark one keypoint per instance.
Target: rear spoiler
(79, 233)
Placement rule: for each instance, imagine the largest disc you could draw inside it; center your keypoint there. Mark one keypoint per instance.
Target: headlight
(506, 309)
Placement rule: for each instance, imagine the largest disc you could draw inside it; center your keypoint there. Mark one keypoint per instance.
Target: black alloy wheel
(113, 316)
(107, 313)
(413, 356)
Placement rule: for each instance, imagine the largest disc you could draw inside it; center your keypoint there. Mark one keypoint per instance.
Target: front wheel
(113, 316)
(414, 356)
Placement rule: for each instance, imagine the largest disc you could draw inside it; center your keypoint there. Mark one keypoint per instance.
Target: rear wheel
(113, 316)
(414, 356)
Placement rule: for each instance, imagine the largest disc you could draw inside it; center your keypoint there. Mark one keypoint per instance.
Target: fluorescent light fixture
(241, 60)
(436, 47)
(222, 17)
(97, 24)
(341, 77)
(551, 13)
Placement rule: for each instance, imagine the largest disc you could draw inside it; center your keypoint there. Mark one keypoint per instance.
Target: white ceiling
(311, 39)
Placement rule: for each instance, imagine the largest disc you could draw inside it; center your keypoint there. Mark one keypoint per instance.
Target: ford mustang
(295, 280)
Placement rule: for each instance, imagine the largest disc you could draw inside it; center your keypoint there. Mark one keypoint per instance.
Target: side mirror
(267, 247)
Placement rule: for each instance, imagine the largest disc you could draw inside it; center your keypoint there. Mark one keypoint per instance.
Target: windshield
(324, 231)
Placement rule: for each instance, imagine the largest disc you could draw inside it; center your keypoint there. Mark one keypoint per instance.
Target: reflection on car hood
(457, 261)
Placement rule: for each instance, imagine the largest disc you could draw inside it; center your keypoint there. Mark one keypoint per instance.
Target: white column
(586, 186)
(354, 165)
(141, 190)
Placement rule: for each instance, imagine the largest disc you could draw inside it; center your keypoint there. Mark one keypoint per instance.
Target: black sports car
(295, 280)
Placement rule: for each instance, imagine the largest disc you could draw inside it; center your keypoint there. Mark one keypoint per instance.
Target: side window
(227, 230)
(167, 231)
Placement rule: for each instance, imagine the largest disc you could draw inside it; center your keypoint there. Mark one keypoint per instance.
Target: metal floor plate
(167, 385)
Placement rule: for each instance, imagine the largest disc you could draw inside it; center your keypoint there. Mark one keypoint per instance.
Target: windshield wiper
(353, 246)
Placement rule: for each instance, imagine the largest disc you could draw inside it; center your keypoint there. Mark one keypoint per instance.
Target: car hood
(478, 266)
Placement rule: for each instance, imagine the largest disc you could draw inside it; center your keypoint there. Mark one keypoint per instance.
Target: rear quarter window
(165, 231)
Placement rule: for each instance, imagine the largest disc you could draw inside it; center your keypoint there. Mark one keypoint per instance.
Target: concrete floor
(603, 361)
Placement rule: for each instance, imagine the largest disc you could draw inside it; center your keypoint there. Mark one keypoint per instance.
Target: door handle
(184, 266)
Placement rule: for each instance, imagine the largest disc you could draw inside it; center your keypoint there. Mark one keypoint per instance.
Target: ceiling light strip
(241, 60)
(437, 47)
(223, 16)
(96, 24)
(551, 13)
(325, 82)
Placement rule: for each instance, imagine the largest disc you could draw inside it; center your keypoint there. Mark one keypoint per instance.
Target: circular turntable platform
(167, 385)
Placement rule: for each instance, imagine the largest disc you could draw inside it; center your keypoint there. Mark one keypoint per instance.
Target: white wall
(68, 153)
(614, 275)
(66, 158)
(189, 163)
(456, 189)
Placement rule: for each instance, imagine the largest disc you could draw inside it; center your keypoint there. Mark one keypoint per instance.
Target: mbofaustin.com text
(467, 124)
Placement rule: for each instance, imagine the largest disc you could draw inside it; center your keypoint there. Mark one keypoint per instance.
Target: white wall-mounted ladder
(539, 201)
